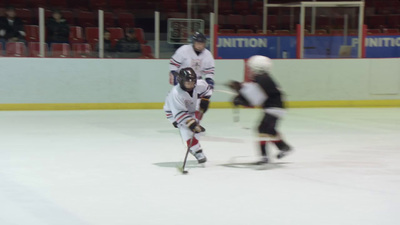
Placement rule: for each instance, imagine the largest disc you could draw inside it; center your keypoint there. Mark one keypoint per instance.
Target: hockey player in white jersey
(197, 57)
(180, 108)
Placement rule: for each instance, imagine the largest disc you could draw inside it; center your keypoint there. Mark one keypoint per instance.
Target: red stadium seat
(234, 21)
(68, 16)
(393, 21)
(87, 19)
(60, 50)
(92, 35)
(377, 21)
(32, 33)
(321, 32)
(221, 20)
(76, 34)
(272, 22)
(245, 31)
(140, 35)
(98, 4)
(109, 19)
(337, 32)
(77, 4)
(373, 31)
(38, 3)
(15, 49)
(147, 52)
(34, 49)
(253, 21)
(226, 31)
(241, 7)
(323, 22)
(282, 32)
(82, 50)
(116, 33)
(118, 4)
(258, 7)
(58, 4)
(269, 32)
(170, 6)
(18, 3)
(225, 7)
(126, 20)
(391, 31)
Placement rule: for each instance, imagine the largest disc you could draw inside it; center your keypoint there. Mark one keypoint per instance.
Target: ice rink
(119, 168)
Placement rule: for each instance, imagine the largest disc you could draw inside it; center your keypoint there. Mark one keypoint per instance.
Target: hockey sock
(263, 148)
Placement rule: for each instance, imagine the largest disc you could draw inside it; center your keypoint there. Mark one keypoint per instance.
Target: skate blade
(284, 154)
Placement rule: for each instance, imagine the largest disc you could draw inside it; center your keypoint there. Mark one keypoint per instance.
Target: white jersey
(203, 64)
(180, 105)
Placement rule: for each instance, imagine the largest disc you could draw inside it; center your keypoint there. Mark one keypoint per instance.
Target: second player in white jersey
(197, 57)
(180, 107)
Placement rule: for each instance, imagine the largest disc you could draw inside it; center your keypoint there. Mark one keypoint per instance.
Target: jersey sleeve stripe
(174, 64)
(180, 113)
(180, 119)
(172, 60)
(202, 94)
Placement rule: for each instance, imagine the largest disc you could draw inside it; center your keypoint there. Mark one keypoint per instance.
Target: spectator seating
(116, 34)
(32, 33)
(147, 51)
(60, 50)
(34, 49)
(82, 50)
(76, 35)
(15, 49)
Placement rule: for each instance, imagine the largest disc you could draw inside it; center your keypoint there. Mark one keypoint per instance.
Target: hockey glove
(239, 100)
(194, 126)
(210, 82)
(175, 124)
(204, 104)
(235, 85)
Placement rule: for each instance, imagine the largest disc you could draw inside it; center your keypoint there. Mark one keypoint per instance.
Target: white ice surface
(119, 168)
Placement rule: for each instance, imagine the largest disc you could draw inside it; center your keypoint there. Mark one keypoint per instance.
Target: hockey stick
(186, 155)
(225, 92)
(188, 149)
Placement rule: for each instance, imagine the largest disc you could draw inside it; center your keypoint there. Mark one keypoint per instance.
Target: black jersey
(271, 89)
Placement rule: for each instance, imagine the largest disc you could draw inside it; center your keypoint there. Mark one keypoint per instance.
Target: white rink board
(33, 80)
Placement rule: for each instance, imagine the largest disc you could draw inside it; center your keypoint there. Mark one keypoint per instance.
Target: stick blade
(182, 170)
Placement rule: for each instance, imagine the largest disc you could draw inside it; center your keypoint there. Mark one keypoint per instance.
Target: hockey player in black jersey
(263, 92)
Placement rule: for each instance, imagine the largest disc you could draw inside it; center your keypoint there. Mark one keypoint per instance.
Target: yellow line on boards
(220, 105)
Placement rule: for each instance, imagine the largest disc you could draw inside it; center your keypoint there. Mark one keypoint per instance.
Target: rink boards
(60, 84)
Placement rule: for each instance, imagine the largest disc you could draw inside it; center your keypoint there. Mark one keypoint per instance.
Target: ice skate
(201, 158)
(284, 149)
(264, 160)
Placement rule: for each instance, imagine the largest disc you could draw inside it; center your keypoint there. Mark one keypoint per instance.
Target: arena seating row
(59, 50)
(91, 34)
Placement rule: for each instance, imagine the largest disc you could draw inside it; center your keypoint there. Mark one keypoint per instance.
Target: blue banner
(242, 47)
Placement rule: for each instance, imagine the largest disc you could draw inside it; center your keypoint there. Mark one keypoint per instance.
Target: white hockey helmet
(259, 64)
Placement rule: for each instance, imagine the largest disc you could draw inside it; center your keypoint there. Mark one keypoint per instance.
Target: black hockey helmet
(186, 74)
(199, 37)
